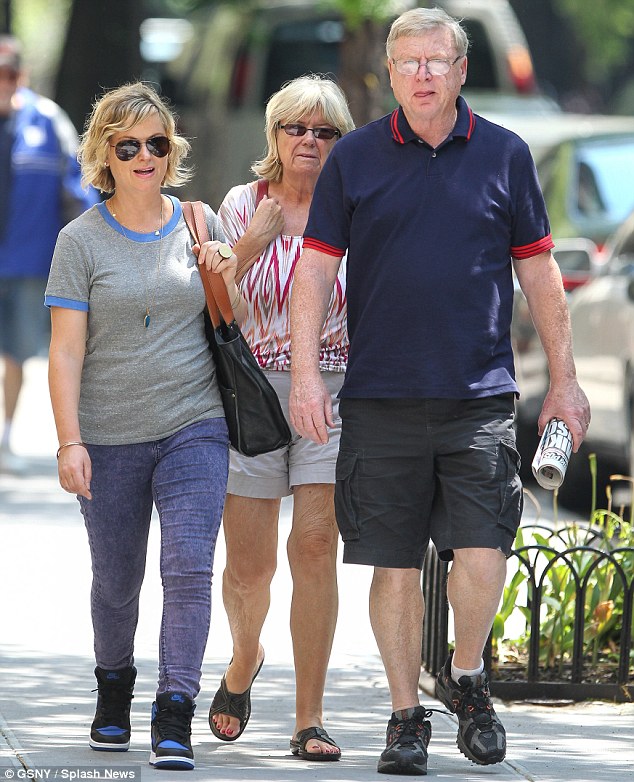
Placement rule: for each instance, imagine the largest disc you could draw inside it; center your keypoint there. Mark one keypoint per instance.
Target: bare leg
(246, 587)
(312, 555)
(396, 614)
(12, 384)
(474, 589)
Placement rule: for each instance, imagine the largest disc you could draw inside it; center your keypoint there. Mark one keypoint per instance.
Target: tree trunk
(363, 71)
(101, 51)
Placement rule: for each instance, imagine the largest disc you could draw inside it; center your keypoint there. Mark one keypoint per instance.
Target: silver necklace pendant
(159, 233)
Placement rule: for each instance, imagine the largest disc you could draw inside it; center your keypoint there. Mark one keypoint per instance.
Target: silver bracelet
(67, 445)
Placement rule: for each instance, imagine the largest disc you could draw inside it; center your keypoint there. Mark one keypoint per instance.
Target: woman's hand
(267, 222)
(218, 257)
(75, 470)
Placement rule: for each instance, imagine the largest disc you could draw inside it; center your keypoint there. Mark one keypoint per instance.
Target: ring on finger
(224, 251)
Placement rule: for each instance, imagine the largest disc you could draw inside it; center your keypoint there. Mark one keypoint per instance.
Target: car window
(605, 172)
(301, 47)
(482, 73)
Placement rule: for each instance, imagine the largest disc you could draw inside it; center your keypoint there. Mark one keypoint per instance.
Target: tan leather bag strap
(261, 189)
(218, 302)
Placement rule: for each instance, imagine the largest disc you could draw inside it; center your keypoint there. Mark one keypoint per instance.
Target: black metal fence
(577, 603)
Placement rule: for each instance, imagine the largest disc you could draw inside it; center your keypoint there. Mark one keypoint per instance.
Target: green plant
(557, 568)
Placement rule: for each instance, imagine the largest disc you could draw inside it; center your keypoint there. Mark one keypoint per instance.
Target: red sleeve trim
(322, 247)
(536, 248)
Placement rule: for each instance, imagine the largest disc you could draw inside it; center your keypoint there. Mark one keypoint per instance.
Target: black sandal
(236, 705)
(298, 745)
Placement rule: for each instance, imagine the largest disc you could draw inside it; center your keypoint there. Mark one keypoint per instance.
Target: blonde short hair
(117, 111)
(417, 21)
(298, 98)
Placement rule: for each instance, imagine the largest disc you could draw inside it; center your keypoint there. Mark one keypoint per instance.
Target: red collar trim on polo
(464, 127)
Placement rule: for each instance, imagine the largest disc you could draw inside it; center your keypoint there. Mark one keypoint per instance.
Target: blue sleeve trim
(68, 304)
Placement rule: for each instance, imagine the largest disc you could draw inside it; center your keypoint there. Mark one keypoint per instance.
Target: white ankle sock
(456, 672)
(6, 435)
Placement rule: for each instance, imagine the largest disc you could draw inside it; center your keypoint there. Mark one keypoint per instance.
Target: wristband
(67, 445)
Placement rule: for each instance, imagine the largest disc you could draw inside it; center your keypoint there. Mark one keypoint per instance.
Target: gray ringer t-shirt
(138, 384)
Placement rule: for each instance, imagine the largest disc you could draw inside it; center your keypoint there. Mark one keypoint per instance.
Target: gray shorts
(24, 320)
(274, 474)
(414, 469)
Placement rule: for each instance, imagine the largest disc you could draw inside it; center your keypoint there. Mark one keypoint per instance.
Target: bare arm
(310, 404)
(66, 359)
(540, 280)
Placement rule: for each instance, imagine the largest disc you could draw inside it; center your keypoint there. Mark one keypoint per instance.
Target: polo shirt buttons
(433, 154)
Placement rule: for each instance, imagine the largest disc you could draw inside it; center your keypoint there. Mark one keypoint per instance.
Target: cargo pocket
(347, 495)
(511, 494)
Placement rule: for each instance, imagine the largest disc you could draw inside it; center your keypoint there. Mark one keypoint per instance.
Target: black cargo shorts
(413, 469)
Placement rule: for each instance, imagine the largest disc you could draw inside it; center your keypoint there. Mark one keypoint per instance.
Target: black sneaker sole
(108, 746)
(171, 762)
(468, 754)
(404, 766)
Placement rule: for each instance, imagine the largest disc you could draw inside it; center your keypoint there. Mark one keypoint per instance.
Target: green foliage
(41, 26)
(355, 12)
(606, 27)
(562, 559)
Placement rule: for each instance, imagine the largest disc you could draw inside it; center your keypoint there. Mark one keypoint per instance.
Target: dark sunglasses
(129, 148)
(300, 130)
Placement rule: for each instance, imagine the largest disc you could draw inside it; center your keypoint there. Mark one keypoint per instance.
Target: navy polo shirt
(430, 234)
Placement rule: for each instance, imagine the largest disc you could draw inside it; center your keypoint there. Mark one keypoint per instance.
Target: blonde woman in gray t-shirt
(137, 409)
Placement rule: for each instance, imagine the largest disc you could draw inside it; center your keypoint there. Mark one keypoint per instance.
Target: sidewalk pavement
(46, 664)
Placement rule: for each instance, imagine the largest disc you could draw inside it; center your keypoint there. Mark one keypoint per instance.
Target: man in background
(40, 191)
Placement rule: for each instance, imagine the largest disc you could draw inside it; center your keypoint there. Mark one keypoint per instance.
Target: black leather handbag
(253, 413)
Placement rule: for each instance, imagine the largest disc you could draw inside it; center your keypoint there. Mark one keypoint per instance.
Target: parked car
(577, 259)
(602, 317)
(241, 53)
(587, 183)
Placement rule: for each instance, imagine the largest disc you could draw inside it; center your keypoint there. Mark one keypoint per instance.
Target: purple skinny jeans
(185, 476)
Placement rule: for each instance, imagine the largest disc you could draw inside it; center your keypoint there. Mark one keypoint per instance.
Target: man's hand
(569, 403)
(310, 407)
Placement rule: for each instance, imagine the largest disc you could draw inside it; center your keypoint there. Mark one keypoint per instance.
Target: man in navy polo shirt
(435, 206)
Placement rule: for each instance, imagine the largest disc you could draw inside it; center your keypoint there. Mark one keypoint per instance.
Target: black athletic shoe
(171, 732)
(407, 739)
(481, 735)
(110, 730)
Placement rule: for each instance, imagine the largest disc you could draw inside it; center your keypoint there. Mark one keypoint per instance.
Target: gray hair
(117, 111)
(296, 99)
(414, 23)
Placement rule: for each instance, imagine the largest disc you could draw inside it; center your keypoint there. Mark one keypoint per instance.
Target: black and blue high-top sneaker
(172, 714)
(110, 730)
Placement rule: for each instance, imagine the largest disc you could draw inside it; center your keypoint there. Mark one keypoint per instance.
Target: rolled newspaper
(552, 455)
